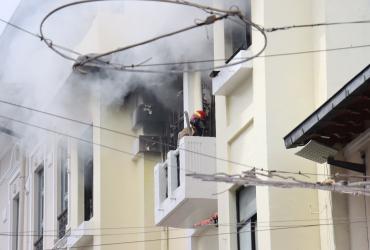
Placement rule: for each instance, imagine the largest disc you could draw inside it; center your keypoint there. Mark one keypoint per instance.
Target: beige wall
(286, 89)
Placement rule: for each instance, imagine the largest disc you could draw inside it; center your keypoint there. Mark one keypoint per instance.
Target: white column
(192, 92)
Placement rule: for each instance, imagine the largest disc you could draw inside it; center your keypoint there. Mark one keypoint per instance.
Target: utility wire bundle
(273, 179)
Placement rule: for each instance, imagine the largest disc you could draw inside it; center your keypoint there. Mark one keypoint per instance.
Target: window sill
(228, 78)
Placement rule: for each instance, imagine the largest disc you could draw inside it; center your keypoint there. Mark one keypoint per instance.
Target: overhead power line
(160, 143)
(135, 137)
(257, 224)
(312, 25)
(261, 56)
(19, 28)
(272, 179)
(161, 229)
(215, 15)
(215, 234)
(211, 60)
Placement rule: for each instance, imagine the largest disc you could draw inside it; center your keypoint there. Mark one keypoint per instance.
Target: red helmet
(199, 114)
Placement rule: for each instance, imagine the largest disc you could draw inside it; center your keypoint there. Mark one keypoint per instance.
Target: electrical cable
(209, 235)
(273, 29)
(261, 56)
(150, 140)
(38, 36)
(208, 9)
(21, 234)
(87, 141)
(205, 60)
(168, 144)
(216, 15)
(176, 229)
(242, 180)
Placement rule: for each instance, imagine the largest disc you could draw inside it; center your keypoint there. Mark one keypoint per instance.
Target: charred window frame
(246, 218)
(237, 33)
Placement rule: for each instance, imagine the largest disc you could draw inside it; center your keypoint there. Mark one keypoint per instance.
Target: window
(86, 162)
(246, 218)
(15, 222)
(178, 169)
(165, 181)
(64, 178)
(39, 207)
(88, 189)
(63, 188)
(237, 33)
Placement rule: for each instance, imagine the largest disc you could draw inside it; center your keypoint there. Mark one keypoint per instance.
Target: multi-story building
(73, 185)
(259, 102)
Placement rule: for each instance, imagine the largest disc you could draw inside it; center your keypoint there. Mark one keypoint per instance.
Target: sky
(7, 8)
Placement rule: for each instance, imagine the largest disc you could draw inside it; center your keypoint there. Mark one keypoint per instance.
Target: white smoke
(33, 75)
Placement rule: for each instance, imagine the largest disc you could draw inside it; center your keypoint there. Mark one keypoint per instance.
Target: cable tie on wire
(209, 20)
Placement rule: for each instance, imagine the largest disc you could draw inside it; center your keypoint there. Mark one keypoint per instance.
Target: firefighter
(198, 122)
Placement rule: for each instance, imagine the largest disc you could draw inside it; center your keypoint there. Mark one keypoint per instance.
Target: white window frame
(36, 161)
(13, 187)
(60, 200)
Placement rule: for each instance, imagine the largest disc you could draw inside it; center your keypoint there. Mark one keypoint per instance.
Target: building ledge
(229, 78)
(81, 235)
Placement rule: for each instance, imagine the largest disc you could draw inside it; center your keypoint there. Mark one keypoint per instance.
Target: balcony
(182, 201)
(228, 78)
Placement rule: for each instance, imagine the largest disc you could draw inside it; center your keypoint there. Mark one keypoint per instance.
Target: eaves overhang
(340, 119)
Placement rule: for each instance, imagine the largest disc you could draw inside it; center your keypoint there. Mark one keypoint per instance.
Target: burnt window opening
(208, 101)
(159, 113)
(86, 172)
(88, 190)
(237, 33)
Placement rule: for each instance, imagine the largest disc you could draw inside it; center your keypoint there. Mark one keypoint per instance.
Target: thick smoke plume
(33, 75)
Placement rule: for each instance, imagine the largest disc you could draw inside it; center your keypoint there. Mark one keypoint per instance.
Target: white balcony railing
(228, 78)
(180, 200)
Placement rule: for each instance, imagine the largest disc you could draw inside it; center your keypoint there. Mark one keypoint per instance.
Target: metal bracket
(348, 165)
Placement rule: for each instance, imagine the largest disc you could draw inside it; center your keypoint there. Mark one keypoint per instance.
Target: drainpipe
(193, 99)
